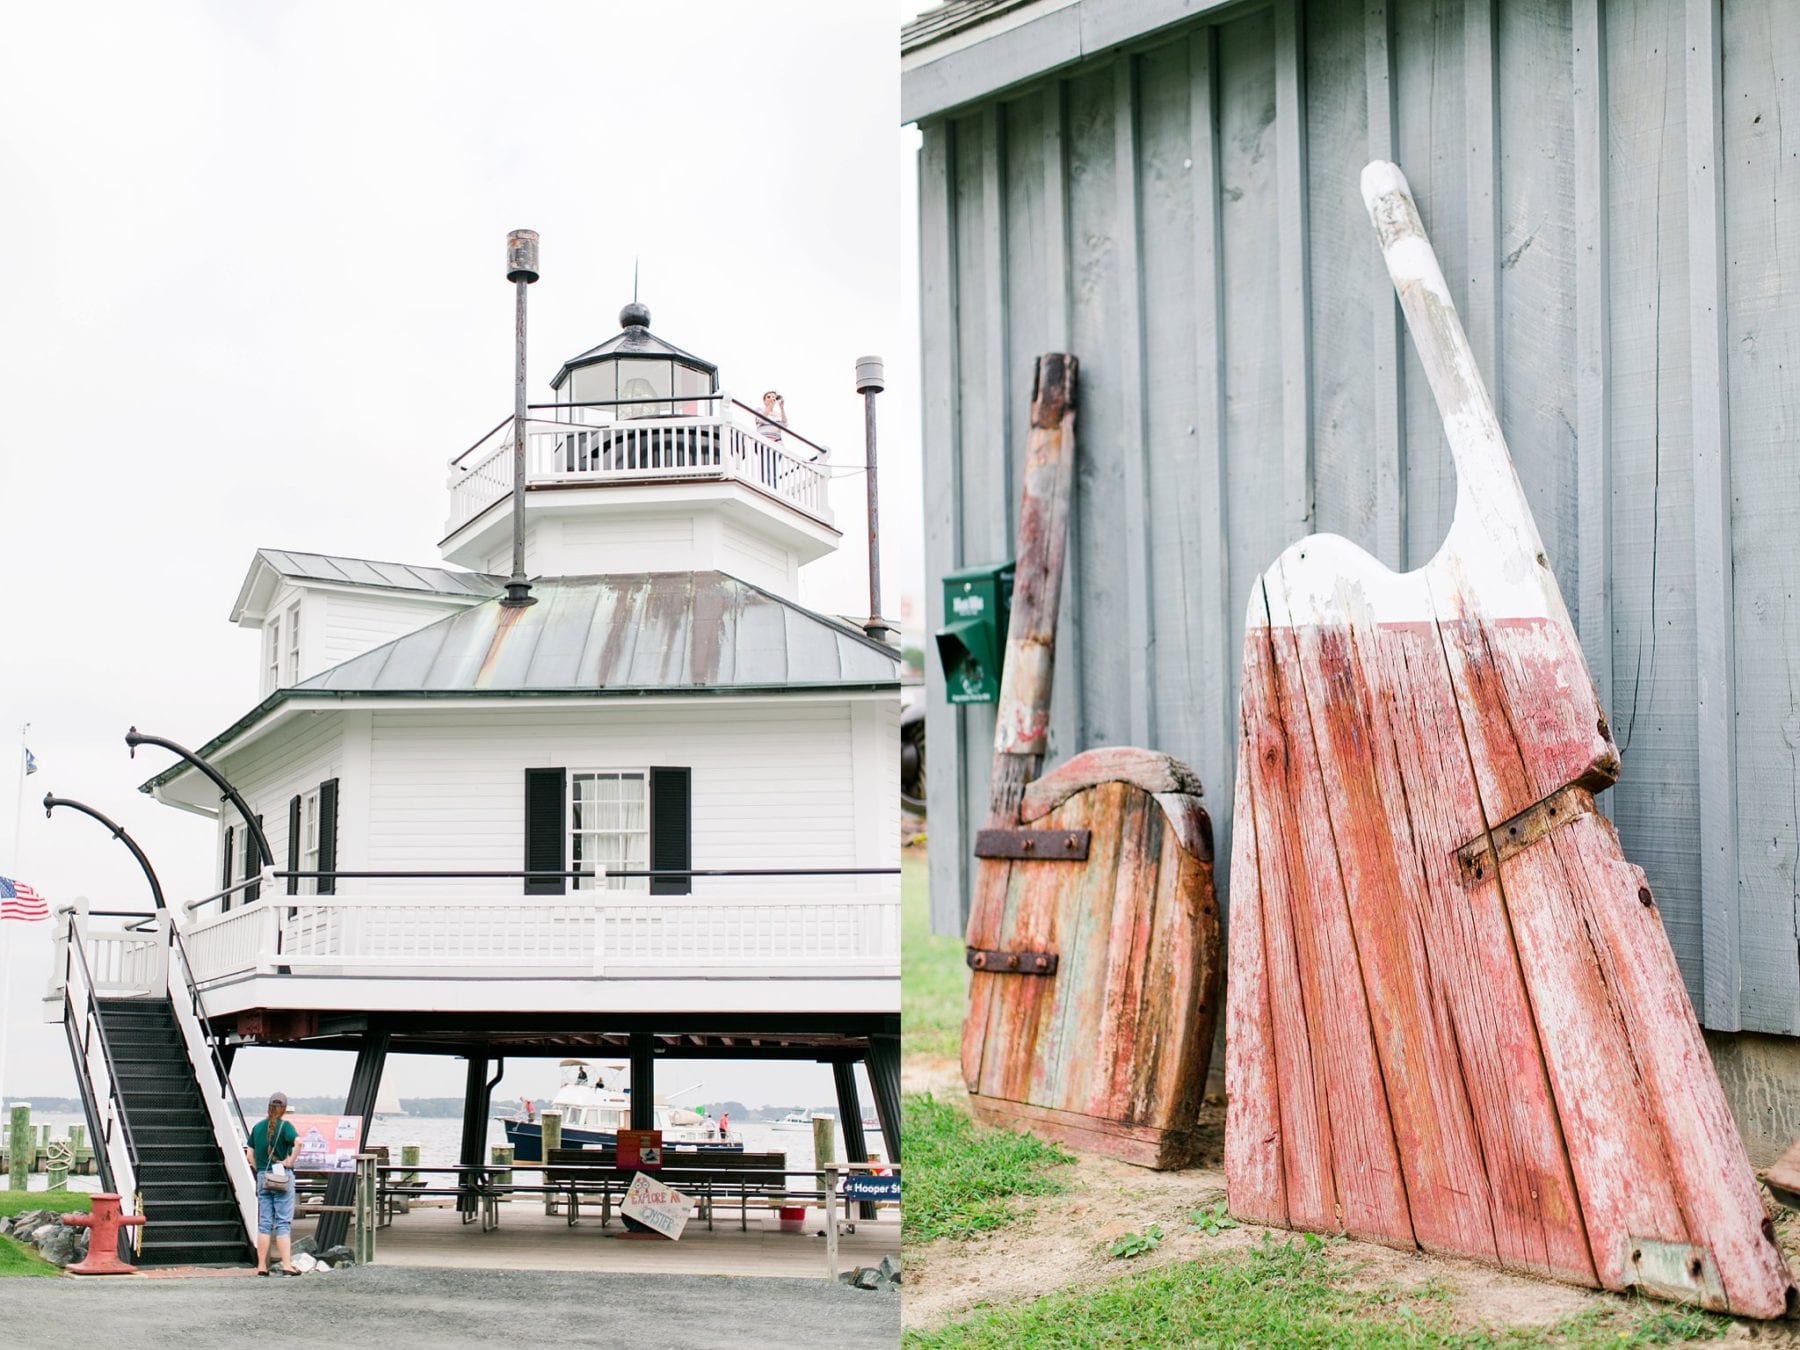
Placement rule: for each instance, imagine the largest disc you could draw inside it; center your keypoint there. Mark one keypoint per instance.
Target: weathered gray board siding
(1614, 192)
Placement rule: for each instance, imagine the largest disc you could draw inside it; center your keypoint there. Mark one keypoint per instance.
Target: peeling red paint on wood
(1493, 1058)
(1111, 1052)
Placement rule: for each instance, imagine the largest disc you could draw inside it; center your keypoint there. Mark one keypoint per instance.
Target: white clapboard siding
(352, 624)
(774, 783)
(271, 770)
(749, 556)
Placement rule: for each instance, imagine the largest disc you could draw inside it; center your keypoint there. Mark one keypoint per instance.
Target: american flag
(19, 901)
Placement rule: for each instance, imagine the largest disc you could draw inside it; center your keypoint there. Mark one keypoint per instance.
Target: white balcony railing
(604, 935)
(713, 438)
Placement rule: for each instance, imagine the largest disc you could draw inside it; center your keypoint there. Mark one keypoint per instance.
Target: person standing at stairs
(272, 1143)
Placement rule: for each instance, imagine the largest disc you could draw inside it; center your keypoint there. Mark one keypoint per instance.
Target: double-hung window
(293, 644)
(272, 655)
(309, 838)
(609, 825)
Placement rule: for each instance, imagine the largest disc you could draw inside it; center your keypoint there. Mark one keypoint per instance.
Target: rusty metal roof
(640, 632)
(391, 576)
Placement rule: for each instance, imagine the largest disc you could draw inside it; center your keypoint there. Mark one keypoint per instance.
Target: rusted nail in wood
(1011, 963)
(1523, 830)
(1039, 845)
(1644, 896)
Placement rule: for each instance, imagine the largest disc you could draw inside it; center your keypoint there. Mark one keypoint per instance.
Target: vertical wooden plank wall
(1611, 196)
(1656, 805)
(1761, 339)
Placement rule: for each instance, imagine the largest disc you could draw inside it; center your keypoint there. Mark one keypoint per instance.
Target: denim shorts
(274, 1209)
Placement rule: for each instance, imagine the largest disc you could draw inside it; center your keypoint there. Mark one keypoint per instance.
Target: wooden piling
(501, 1155)
(81, 1156)
(552, 1127)
(825, 1154)
(20, 1148)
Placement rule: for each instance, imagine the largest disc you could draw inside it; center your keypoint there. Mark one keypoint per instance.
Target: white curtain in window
(609, 820)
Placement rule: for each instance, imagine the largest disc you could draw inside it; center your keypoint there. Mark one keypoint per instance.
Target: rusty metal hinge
(1011, 963)
(1479, 858)
(1044, 845)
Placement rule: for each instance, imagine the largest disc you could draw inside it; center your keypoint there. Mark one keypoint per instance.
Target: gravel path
(391, 1306)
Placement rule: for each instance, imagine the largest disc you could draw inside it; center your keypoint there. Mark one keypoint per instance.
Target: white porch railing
(591, 446)
(125, 963)
(599, 936)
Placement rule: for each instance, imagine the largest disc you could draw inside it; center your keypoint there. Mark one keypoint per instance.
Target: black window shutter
(671, 829)
(225, 880)
(252, 862)
(327, 836)
(293, 886)
(546, 834)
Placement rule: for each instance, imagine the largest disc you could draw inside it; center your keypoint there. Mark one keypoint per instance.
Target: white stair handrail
(99, 1075)
(216, 1093)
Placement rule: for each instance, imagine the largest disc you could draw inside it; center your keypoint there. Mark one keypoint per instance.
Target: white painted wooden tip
(1379, 178)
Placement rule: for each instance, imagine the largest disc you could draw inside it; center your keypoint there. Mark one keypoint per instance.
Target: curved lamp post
(156, 892)
(134, 738)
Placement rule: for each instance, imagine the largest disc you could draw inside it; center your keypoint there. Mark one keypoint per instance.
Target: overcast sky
(254, 295)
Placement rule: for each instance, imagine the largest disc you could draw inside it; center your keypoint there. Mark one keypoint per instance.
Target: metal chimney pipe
(521, 270)
(870, 381)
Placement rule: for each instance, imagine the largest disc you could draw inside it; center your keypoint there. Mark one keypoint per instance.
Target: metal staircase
(167, 1129)
(191, 1217)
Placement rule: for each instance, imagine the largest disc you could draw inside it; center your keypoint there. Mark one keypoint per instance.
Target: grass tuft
(963, 1179)
(1286, 1293)
(934, 981)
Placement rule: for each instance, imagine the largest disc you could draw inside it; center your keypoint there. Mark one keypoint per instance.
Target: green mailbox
(972, 642)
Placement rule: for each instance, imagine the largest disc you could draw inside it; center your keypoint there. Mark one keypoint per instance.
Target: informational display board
(657, 1207)
(640, 1149)
(866, 1186)
(327, 1143)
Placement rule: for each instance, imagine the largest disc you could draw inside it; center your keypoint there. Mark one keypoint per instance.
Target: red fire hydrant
(103, 1237)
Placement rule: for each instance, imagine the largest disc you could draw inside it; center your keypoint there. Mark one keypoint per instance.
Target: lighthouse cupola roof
(635, 371)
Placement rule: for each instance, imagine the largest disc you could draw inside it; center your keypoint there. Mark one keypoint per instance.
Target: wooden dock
(527, 1239)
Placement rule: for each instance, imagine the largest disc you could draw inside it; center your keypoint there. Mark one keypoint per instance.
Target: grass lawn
(63, 1202)
(934, 982)
(1298, 1292)
(963, 1179)
(18, 1259)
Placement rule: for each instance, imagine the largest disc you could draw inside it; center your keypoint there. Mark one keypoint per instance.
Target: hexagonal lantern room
(643, 461)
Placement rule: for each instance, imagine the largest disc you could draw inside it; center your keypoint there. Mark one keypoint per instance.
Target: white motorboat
(595, 1102)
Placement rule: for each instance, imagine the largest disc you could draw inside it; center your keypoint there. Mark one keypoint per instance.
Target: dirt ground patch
(1063, 1244)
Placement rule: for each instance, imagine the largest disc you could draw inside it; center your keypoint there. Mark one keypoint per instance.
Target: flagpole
(6, 962)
